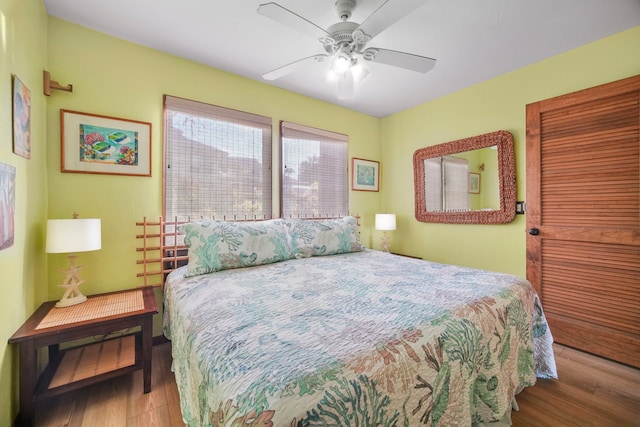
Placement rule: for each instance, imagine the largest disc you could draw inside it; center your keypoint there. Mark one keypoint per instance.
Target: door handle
(534, 231)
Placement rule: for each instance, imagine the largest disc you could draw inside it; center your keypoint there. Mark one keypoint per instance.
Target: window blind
(434, 199)
(446, 179)
(217, 162)
(315, 176)
(456, 184)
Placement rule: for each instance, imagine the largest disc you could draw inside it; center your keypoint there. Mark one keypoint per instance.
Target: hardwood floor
(590, 392)
(119, 402)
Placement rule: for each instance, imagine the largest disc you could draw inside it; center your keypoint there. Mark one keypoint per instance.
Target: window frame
(276, 194)
(236, 117)
(320, 133)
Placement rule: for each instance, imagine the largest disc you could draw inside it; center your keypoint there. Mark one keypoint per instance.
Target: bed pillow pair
(320, 237)
(218, 245)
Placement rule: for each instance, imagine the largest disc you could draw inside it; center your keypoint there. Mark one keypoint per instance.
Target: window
(447, 180)
(315, 177)
(217, 162)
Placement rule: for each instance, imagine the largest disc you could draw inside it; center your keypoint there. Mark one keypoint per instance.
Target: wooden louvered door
(583, 217)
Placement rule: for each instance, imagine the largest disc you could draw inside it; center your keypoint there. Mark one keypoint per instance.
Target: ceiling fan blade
(291, 19)
(408, 61)
(286, 69)
(388, 14)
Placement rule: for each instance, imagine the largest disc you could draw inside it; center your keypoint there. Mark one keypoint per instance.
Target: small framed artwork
(474, 183)
(365, 175)
(7, 204)
(91, 143)
(21, 119)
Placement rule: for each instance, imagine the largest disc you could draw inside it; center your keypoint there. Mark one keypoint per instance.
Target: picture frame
(365, 175)
(97, 144)
(7, 204)
(474, 183)
(21, 118)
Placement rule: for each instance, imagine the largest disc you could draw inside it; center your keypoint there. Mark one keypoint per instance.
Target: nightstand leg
(147, 349)
(28, 369)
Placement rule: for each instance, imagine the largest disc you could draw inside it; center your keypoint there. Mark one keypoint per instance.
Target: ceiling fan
(345, 42)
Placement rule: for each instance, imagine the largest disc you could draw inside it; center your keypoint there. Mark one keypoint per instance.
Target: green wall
(115, 78)
(486, 107)
(23, 266)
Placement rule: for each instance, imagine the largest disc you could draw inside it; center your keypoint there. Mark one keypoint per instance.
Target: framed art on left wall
(7, 204)
(21, 119)
(92, 143)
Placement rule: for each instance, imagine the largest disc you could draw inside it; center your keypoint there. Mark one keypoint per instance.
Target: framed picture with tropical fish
(92, 143)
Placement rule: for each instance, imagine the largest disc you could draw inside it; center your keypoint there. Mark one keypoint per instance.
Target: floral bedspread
(360, 339)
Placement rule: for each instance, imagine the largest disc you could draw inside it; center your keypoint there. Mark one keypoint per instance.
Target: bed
(294, 323)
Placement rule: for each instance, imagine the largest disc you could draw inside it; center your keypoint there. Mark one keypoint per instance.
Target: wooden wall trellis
(163, 250)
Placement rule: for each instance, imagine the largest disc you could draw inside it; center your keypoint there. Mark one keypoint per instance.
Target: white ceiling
(472, 40)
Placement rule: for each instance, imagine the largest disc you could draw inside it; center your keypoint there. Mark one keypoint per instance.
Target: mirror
(468, 181)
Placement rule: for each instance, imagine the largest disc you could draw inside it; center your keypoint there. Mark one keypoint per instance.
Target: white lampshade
(73, 235)
(385, 222)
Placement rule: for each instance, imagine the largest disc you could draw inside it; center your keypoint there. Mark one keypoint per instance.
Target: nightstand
(83, 365)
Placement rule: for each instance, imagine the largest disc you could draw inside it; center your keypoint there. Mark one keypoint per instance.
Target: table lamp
(72, 236)
(385, 222)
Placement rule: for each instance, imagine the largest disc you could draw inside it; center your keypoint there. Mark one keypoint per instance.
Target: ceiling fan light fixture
(332, 77)
(341, 61)
(359, 71)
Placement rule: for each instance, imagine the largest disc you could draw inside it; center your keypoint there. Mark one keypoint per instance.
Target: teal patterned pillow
(219, 245)
(323, 236)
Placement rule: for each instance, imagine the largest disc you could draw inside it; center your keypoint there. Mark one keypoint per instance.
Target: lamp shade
(73, 235)
(385, 222)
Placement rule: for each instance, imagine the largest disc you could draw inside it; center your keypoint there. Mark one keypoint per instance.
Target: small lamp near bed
(385, 222)
(72, 236)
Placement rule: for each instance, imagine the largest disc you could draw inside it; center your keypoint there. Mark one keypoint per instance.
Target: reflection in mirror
(466, 181)
(471, 180)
